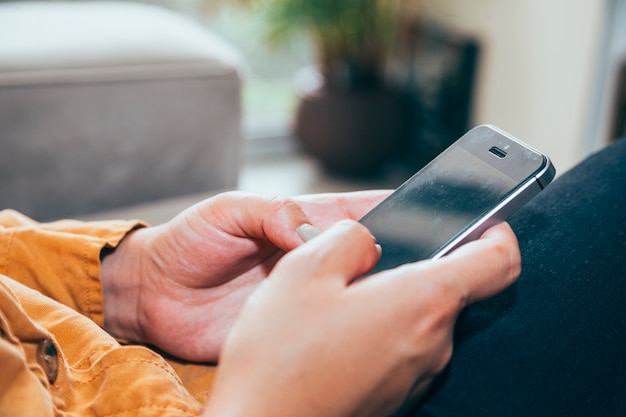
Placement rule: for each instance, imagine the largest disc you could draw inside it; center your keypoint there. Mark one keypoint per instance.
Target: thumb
(485, 267)
(346, 251)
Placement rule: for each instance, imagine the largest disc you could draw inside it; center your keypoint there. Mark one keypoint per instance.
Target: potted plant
(348, 117)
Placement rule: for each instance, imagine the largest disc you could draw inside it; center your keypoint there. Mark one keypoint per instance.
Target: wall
(537, 69)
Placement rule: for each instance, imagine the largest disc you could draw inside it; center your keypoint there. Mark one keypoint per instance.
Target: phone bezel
(528, 187)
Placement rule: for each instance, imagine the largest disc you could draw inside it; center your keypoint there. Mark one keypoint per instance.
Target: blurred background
(548, 72)
(409, 76)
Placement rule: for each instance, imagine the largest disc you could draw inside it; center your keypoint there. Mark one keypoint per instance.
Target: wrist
(120, 273)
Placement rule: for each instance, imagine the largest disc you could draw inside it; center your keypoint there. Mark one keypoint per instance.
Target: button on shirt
(48, 359)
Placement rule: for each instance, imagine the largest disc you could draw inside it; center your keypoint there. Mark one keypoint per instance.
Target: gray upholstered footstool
(106, 104)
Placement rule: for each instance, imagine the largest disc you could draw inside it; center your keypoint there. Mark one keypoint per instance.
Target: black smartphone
(477, 182)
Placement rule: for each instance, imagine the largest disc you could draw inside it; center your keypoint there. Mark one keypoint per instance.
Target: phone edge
(522, 195)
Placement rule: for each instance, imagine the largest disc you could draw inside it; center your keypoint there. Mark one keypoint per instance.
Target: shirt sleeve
(60, 259)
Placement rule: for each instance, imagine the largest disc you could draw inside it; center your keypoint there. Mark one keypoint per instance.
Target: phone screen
(435, 205)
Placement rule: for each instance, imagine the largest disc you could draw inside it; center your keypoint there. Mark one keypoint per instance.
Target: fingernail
(307, 231)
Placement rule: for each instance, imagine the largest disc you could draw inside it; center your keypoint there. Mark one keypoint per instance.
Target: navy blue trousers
(554, 344)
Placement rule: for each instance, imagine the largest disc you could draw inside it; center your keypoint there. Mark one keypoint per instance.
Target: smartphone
(477, 182)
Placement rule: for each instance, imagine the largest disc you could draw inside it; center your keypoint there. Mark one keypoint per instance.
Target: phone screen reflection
(435, 206)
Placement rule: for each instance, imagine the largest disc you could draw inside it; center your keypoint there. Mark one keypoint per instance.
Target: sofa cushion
(110, 104)
(73, 42)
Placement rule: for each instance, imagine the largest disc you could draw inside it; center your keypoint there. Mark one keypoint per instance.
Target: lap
(554, 343)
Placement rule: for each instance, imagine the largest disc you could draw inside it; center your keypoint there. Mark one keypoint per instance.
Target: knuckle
(285, 205)
(356, 233)
(443, 358)
(510, 259)
(433, 345)
(281, 201)
(350, 225)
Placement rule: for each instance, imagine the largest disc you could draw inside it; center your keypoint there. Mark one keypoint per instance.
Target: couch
(109, 104)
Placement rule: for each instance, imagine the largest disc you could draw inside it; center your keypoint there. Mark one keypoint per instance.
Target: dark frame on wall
(440, 83)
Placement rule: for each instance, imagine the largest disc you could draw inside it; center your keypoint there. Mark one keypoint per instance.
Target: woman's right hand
(311, 342)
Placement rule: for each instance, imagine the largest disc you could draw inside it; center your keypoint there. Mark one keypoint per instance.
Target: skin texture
(180, 285)
(310, 343)
(295, 334)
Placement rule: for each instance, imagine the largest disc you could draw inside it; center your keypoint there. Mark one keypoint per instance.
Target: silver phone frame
(523, 192)
(509, 205)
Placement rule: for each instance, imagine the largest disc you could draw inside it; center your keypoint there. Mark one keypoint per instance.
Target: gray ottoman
(108, 104)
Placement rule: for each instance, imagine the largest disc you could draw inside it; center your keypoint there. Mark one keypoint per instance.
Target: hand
(309, 342)
(180, 286)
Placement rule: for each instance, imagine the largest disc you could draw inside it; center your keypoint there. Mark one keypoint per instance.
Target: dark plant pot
(351, 133)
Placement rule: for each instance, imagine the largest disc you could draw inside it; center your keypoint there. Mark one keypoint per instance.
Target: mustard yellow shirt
(55, 358)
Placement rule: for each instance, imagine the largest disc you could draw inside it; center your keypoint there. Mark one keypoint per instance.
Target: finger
(252, 216)
(347, 250)
(492, 263)
(326, 209)
(307, 231)
(283, 218)
(482, 268)
(473, 272)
